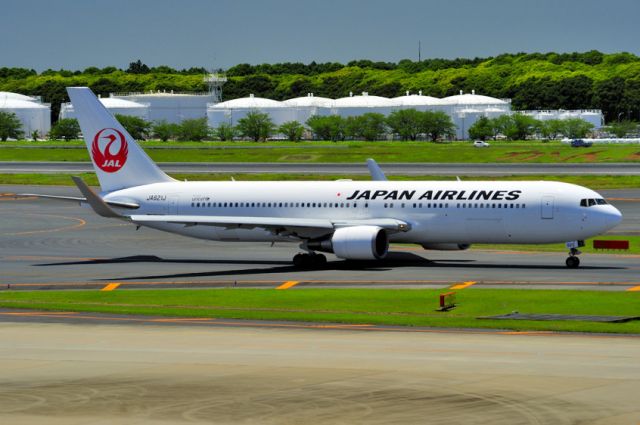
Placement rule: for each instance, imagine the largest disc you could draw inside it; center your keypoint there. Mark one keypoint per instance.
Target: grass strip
(355, 152)
(404, 307)
(596, 182)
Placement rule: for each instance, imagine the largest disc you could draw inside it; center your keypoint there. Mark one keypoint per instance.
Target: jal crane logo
(104, 154)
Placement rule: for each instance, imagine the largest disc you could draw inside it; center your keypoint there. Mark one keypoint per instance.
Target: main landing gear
(573, 262)
(309, 260)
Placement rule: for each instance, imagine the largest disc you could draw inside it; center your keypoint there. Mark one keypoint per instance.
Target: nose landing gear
(573, 262)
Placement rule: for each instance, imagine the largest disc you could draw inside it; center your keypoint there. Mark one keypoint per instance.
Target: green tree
(437, 124)
(575, 128)
(195, 129)
(10, 126)
(369, 126)
(256, 126)
(406, 123)
(552, 129)
(34, 135)
(293, 130)
(165, 130)
(66, 128)
(138, 67)
(500, 124)
(521, 127)
(622, 128)
(481, 129)
(137, 127)
(225, 131)
(331, 127)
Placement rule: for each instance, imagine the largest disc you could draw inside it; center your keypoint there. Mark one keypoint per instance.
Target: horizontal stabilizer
(129, 205)
(94, 200)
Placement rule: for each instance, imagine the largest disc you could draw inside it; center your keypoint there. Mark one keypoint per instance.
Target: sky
(76, 34)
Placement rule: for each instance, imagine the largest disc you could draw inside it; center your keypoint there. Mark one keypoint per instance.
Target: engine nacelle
(446, 246)
(355, 243)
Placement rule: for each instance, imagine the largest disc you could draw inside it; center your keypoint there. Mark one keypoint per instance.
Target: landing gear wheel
(300, 260)
(309, 260)
(573, 262)
(319, 260)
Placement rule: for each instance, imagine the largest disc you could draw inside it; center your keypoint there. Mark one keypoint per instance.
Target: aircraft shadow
(156, 259)
(395, 260)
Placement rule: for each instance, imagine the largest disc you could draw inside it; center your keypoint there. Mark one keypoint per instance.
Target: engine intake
(355, 243)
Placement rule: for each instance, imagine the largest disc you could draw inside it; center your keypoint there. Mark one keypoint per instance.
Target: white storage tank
(171, 106)
(115, 106)
(232, 110)
(359, 105)
(308, 106)
(33, 115)
(418, 102)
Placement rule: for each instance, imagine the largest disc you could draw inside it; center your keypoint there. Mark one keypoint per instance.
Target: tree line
(610, 82)
(405, 124)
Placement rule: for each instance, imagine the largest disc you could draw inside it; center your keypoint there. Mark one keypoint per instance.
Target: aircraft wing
(321, 225)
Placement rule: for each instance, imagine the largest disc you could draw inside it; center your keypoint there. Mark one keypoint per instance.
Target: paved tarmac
(441, 169)
(60, 371)
(46, 244)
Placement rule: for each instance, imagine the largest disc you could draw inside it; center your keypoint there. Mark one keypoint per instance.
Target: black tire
(299, 260)
(320, 260)
(573, 262)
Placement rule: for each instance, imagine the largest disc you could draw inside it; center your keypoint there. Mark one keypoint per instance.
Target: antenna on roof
(419, 51)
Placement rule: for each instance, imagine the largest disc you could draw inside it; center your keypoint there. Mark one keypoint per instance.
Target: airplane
(354, 220)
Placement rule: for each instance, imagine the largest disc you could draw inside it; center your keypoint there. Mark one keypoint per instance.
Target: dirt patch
(298, 157)
(587, 156)
(523, 156)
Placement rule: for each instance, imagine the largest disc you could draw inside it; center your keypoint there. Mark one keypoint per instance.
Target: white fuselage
(437, 211)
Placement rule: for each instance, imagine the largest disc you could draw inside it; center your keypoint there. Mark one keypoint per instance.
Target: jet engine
(355, 243)
(446, 246)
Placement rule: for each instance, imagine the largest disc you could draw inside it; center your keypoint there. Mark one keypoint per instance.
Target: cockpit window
(592, 202)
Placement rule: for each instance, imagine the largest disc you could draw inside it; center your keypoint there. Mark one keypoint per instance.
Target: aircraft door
(547, 207)
(172, 205)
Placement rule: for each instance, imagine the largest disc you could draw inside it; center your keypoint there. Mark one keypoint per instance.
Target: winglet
(94, 200)
(376, 172)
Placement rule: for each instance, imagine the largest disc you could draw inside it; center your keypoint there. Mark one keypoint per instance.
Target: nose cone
(610, 217)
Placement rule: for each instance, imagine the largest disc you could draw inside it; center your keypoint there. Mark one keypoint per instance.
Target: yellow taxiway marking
(110, 287)
(634, 289)
(80, 223)
(288, 284)
(463, 285)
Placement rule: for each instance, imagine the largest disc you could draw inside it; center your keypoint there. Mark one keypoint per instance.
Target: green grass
(356, 152)
(374, 306)
(596, 182)
(634, 246)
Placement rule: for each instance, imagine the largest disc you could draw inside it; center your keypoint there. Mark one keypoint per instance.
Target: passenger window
(366, 205)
